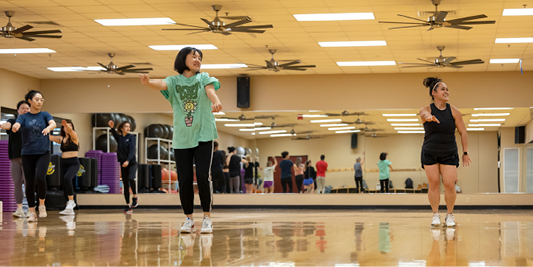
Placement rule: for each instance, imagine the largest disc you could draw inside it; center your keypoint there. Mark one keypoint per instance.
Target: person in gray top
(358, 168)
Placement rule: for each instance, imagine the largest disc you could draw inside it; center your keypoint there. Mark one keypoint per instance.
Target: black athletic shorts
(248, 180)
(430, 159)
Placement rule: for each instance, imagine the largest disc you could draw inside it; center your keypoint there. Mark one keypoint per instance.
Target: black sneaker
(127, 209)
(134, 203)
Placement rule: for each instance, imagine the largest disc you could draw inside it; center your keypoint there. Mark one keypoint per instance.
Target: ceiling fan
(276, 66)
(346, 113)
(219, 26)
(111, 68)
(307, 137)
(375, 135)
(359, 121)
(293, 132)
(10, 31)
(441, 62)
(242, 117)
(368, 130)
(438, 20)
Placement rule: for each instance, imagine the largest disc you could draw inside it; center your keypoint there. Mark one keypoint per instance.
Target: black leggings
(218, 181)
(35, 168)
(299, 181)
(69, 169)
(225, 188)
(285, 182)
(202, 156)
(128, 179)
(384, 184)
(359, 184)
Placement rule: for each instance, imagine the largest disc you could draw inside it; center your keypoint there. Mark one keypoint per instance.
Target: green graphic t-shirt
(193, 120)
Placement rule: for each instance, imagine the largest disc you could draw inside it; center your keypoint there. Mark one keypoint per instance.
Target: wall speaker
(354, 140)
(243, 92)
(520, 134)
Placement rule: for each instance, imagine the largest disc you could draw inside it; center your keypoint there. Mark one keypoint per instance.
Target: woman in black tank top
(439, 152)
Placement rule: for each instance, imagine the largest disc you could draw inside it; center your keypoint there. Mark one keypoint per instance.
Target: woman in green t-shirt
(385, 167)
(192, 96)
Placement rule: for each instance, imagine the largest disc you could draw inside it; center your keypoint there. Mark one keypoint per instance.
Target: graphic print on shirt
(35, 129)
(189, 95)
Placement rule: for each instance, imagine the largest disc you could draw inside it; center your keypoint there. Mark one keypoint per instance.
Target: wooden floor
(270, 238)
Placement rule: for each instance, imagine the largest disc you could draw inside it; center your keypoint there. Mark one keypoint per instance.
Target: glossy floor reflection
(270, 238)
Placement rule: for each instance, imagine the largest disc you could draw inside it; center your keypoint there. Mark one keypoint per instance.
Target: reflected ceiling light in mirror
(349, 131)
(399, 115)
(334, 125)
(135, 22)
(485, 125)
(334, 16)
(341, 128)
(411, 131)
(314, 116)
(179, 47)
(27, 51)
(514, 40)
(402, 120)
(475, 129)
(258, 123)
(490, 114)
(280, 135)
(321, 121)
(352, 43)
(405, 124)
(492, 108)
(247, 130)
(217, 119)
(262, 128)
(219, 113)
(409, 128)
(365, 63)
(518, 12)
(273, 132)
(504, 60)
(240, 125)
(315, 110)
(486, 120)
(70, 69)
(253, 133)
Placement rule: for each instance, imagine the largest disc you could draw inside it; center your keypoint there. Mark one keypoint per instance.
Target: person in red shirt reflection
(321, 168)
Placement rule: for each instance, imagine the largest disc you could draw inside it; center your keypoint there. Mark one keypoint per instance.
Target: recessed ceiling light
(349, 131)
(411, 132)
(314, 116)
(409, 128)
(333, 125)
(135, 22)
(405, 124)
(223, 66)
(219, 113)
(27, 51)
(179, 47)
(399, 115)
(475, 129)
(321, 121)
(352, 43)
(240, 125)
(72, 69)
(400, 120)
(490, 114)
(365, 63)
(514, 40)
(273, 132)
(334, 16)
(341, 128)
(492, 108)
(280, 135)
(485, 125)
(518, 12)
(504, 60)
(486, 120)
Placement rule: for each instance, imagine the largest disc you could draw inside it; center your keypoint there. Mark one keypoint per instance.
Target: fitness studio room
(275, 133)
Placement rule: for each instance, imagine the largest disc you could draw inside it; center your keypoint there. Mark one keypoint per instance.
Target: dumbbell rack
(159, 161)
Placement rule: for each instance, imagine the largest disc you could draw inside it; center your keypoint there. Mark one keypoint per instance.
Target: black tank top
(249, 171)
(70, 146)
(439, 138)
(235, 166)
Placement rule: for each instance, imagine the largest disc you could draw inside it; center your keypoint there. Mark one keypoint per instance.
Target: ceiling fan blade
(41, 32)
(393, 28)
(294, 69)
(126, 67)
(237, 18)
(237, 29)
(441, 16)
(26, 38)
(398, 22)
(237, 23)
(454, 66)
(189, 25)
(459, 20)
(225, 33)
(449, 59)
(301, 66)
(206, 21)
(102, 65)
(120, 73)
(347, 122)
(137, 70)
(289, 63)
(256, 26)
(197, 32)
(202, 29)
(420, 60)
(44, 36)
(332, 114)
(411, 18)
(418, 66)
(459, 27)
(475, 22)
(23, 28)
(466, 62)
(256, 68)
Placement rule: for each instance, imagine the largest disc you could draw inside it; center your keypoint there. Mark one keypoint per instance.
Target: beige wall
(14, 86)
(404, 153)
(279, 92)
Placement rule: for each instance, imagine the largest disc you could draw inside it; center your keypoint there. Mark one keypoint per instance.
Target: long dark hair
(224, 157)
(63, 133)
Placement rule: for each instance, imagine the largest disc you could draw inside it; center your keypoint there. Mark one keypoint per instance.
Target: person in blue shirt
(35, 128)
(128, 163)
(286, 173)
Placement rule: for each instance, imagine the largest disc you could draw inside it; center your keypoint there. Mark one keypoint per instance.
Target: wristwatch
(465, 153)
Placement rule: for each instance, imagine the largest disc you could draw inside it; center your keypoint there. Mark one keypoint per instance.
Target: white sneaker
(188, 226)
(436, 220)
(207, 226)
(450, 221)
(69, 210)
(19, 213)
(33, 217)
(42, 212)
(436, 235)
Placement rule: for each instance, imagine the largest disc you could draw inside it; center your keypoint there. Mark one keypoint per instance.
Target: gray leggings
(17, 174)
(234, 184)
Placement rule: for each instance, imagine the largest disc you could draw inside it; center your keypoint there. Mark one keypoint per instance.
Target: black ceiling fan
(359, 121)
(441, 62)
(345, 113)
(219, 26)
(307, 137)
(10, 31)
(111, 68)
(242, 117)
(276, 66)
(438, 20)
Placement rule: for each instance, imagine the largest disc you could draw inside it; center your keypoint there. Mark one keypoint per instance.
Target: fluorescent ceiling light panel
(247, 130)
(485, 125)
(352, 43)
(475, 129)
(504, 60)
(518, 12)
(341, 128)
(399, 115)
(135, 22)
(314, 116)
(405, 124)
(487, 120)
(27, 51)
(514, 40)
(280, 135)
(365, 63)
(409, 128)
(349, 131)
(74, 69)
(262, 128)
(334, 125)
(492, 108)
(411, 132)
(220, 119)
(258, 123)
(334, 16)
(273, 132)
(315, 110)
(240, 125)
(490, 114)
(223, 66)
(219, 113)
(400, 120)
(179, 47)
(253, 133)
(321, 121)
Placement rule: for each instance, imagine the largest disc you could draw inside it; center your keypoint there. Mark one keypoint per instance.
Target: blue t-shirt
(286, 166)
(31, 127)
